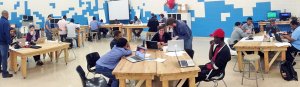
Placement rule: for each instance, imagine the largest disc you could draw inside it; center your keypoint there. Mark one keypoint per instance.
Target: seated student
(137, 31)
(272, 27)
(72, 31)
(103, 30)
(117, 35)
(218, 56)
(248, 26)
(107, 63)
(294, 39)
(237, 34)
(161, 37)
(32, 36)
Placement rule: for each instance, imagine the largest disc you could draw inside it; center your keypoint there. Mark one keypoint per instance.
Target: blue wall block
(16, 5)
(15, 19)
(80, 3)
(52, 5)
(1, 3)
(27, 10)
(40, 17)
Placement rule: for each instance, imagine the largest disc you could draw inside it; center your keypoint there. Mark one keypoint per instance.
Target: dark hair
(121, 42)
(161, 27)
(49, 16)
(116, 33)
(249, 18)
(237, 23)
(64, 17)
(72, 20)
(162, 15)
(101, 20)
(152, 14)
(94, 18)
(31, 26)
(170, 21)
(294, 22)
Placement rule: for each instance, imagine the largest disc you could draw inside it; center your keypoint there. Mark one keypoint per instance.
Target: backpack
(287, 71)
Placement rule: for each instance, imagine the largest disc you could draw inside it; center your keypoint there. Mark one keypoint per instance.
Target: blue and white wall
(207, 15)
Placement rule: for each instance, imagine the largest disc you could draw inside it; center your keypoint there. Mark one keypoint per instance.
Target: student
(32, 37)
(116, 21)
(162, 37)
(107, 63)
(272, 27)
(5, 40)
(162, 19)
(181, 31)
(139, 30)
(237, 34)
(103, 30)
(72, 28)
(294, 39)
(48, 28)
(153, 24)
(94, 26)
(218, 56)
(117, 35)
(249, 25)
(62, 25)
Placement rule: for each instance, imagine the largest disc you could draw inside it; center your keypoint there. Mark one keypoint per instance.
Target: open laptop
(186, 63)
(278, 38)
(175, 45)
(21, 42)
(151, 44)
(139, 56)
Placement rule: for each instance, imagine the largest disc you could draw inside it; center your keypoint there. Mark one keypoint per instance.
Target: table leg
(11, 60)
(128, 34)
(24, 66)
(165, 83)
(122, 83)
(266, 60)
(56, 56)
(283, 55)
(79, 39)
(256, 62)
(240, 61)
(66, 52)
(148, 83)
(261, 28)
(51, 56)
(192, 82)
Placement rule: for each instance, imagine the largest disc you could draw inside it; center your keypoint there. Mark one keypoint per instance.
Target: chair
(94, 82)
(190, 52)
(94, 35)
(91, 60)
(252, 58)
(215, 79)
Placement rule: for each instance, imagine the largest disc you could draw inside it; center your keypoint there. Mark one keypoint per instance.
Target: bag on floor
(287, 71)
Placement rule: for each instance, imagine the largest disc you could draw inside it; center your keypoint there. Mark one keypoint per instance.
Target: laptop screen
(141, 51)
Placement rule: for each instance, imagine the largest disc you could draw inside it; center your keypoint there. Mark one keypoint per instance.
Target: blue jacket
(4, 31)
(182, 31)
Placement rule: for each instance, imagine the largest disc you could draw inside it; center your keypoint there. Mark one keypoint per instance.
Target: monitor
(272, 14)
(54, 21)
(24, 17)
(284, 16)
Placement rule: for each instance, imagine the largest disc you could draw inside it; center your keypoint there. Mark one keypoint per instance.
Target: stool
(252, 58)
(96, 35)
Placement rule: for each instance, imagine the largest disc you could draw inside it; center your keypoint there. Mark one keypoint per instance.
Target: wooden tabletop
(46, 47)
(277, 22)
(135, 26)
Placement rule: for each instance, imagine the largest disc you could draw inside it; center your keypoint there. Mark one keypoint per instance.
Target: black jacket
(153, 24)
(221, 60)
(166, 37)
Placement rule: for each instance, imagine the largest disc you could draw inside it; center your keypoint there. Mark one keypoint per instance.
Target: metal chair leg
(198, 84)
(256, 79)
(243, 75)
(224, 83)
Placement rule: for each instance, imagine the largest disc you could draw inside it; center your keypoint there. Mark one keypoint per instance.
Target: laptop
(139, 56)
(186, 63)
(21, 42)
(175, 45)
(151, 44)
(278, 38)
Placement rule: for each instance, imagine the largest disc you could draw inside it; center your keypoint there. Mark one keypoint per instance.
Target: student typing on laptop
(218, 57)
(106, 64)
(32, 37)
(294, 39)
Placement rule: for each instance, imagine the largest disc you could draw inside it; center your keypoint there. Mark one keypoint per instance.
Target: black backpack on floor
(287, 71)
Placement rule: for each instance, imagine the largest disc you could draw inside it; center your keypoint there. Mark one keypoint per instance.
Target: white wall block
(224, 16)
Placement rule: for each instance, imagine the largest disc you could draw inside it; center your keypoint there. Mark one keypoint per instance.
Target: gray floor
(59, 75)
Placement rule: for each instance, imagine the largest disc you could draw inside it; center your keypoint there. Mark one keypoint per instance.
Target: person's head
(171, 22)
(237, 24)
(162, 15)
(117, 34)
(94, 18)
(31, 27)
(162, 29)
(65, 17)
(135, 18)
(72, 20)
(49, 17)
(218, 35)
(152, 14)
(5, 14)
(249, 20)
(101, 20)
(155, 16)
(121, 42)
(272, 21)
(294, 24)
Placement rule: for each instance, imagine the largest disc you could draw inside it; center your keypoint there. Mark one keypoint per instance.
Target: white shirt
(71, 28)
(62, 25)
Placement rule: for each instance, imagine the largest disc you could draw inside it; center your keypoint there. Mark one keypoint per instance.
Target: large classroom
(149, 43)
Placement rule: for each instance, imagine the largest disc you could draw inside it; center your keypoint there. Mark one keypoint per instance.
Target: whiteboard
(118, 9)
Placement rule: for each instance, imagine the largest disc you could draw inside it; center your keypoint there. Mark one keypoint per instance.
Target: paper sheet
(179, 53)
(282, 44)
(255, 38)
(147, 55)
(160, 60)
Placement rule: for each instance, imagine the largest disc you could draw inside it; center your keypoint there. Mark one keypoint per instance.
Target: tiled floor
(59, 75)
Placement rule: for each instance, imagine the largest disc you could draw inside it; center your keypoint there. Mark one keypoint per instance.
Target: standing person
(237, 34)
(163, 19)
(107, 63)
(153, 24)
(5, 40)
(139, 30)
(32, 36)
(248, 26)
(62, 25)
(48, 28)
(294, 39)
(94, 26)
(181, 31)
(103, 30)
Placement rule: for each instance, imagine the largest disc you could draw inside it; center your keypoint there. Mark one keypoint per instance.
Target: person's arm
(28, 37)
(167, 37)
(242, 33)
(6, 28)
(155, 37)
(210, 54)
(183, 32)
(290, 38)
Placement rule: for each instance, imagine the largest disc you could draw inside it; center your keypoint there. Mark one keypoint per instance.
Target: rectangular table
(256, 46)
(262, 24)
(24, 53)
(146, 70)
(129, 28)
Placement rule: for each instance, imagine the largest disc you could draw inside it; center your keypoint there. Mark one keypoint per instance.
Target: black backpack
(287, 71)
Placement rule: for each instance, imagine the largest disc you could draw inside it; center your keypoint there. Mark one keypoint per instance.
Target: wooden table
(129, 28)
(111, 26)
(146, 70)
(48, 47)
(256, 46)
(262, 24)
(81, 35)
